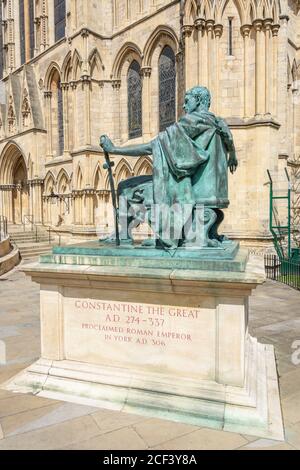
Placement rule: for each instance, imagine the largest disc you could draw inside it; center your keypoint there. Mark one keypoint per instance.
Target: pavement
(28, 422)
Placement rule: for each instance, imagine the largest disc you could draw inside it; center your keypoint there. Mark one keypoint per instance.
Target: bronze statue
(190, 169)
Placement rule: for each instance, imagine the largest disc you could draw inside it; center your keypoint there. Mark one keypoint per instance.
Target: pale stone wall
(256, 89)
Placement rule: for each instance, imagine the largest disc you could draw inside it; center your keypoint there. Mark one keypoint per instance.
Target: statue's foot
(223, 238)
(213, 243)
(168, 245)
(112, 240)
(149, 243)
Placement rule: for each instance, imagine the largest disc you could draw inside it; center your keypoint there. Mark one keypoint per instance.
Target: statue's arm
(130, 151)
(229, 144)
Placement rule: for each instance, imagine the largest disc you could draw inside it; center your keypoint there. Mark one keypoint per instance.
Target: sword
(108, 165)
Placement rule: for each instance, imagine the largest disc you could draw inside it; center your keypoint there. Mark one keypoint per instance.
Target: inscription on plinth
(160, 338)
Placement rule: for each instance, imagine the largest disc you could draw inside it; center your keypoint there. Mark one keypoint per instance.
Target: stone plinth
(158, 342)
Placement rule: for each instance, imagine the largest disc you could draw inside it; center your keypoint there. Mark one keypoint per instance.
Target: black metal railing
(51, 232)
(41, 230)
(3, 228)
(283, 270)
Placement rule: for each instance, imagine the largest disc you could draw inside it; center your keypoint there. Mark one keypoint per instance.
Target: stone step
(28, 234)
(33, 245)
(29, 239)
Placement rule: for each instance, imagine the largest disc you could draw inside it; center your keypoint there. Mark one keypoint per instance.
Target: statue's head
(197, 98)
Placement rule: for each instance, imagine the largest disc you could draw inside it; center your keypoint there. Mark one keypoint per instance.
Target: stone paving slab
(28, 422)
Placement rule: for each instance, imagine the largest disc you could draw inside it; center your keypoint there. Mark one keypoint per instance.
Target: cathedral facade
(73, 70)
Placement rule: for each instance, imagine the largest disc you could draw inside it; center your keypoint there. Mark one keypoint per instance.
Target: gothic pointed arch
(95, 64)
(162, 33)
(66, 68)
(76, 65)
(221, 7)
(79, 178)
(98, 178)
(49, 183)
(123, 171)
(63, 182)
(51, 70)
(190, 11)
(53, 85)
(276, 11)
(129, 49)
(9, 157)
(268, 9)
(144, 166)
(206, 9)
(14, 172)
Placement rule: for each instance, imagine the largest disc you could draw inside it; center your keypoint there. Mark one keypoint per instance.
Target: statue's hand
(232, 163)
(106, 144)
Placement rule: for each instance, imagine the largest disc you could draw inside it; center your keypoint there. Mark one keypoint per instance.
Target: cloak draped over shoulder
(198, 142)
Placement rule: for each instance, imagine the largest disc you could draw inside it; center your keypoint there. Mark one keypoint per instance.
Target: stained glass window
(60, 119)
(22, 32)
(230, 36)
(23, 27)
(59, 18)
(31, 27)
(167, 88)
(134, 83)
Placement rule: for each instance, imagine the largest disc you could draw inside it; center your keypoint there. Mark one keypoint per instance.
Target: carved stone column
(116, 84)
(73, 125)
(36, 192)
(65, 96)
(210, 54)
(86, 84)
(37, 35)
(275, 30)
(295, 121)
(187, 36)
(77, 207)
(218, 30)
(260, 77)
(110, 212)
(88, 218)
(85, 47)
(48, 119)
(200, 26)
(268, 65)
(101, 222)
(245, 30)
(146, 99)
(7, 206)
(283, 96)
